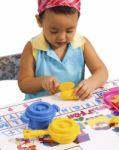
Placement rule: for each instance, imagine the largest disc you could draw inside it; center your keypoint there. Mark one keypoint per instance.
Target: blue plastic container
(39, 114)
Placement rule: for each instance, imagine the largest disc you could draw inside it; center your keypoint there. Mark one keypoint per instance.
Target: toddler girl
(58, 54)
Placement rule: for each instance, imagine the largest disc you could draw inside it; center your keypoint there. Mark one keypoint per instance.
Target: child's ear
(39, 21)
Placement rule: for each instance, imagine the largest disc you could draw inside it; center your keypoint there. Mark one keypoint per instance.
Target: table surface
(89, 114)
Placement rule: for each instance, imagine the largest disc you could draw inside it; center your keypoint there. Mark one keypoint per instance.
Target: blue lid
(40, 111)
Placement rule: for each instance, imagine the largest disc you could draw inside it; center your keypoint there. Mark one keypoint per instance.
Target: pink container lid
(109, 95)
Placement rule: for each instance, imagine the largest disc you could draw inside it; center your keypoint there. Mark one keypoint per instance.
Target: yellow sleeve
(78, 41)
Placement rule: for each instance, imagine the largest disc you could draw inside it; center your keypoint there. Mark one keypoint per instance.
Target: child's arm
(27, 81)
(98, 70)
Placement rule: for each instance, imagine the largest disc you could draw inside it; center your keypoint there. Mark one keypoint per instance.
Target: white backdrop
(98, 22)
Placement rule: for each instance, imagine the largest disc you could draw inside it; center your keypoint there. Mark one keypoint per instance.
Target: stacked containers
(39, 115)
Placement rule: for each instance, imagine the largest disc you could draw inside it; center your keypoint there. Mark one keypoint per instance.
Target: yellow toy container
(61, 130)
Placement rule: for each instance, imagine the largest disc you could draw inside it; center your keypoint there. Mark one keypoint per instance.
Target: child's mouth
(61, 43)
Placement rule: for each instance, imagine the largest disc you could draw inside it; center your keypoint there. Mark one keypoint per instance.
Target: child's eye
(54, 32)
(70, 31)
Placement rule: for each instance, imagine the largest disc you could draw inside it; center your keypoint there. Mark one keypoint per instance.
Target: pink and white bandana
(45, 4)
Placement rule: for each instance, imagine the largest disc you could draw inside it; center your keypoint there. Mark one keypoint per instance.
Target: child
(59, 54)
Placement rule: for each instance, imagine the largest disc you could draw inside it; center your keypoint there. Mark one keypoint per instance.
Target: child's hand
(50, 84)
(85, 89)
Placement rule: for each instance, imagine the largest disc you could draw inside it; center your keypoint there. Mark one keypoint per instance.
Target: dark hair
(62, 10)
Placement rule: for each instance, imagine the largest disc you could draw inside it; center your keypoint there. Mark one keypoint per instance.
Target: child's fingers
(44, 85)
(56, 85)
(53, 86)
(78, 87)
(51, 89)
(81, 89)
(85, 95)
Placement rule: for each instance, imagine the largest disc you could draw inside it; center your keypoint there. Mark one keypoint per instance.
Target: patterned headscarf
(45, 4)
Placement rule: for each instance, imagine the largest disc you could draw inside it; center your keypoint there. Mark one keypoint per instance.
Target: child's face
(59, 29)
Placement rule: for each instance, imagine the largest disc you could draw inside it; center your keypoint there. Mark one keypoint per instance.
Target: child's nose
(62, 37)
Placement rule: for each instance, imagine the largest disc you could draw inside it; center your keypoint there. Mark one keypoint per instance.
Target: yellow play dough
(67, 91)
(66, 86)
(68, 95)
